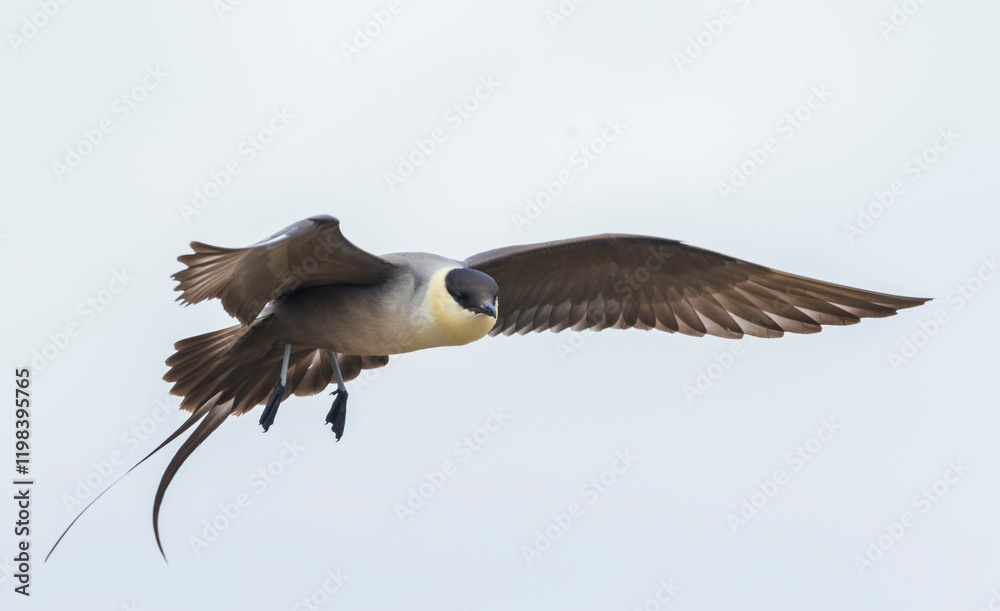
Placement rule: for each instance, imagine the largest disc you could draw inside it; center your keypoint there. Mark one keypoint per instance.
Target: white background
(572, 402)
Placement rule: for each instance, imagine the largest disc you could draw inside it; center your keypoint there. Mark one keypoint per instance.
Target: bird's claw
(338, 413)
(271, 409)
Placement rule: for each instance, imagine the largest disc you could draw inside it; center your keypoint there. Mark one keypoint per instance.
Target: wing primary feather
(689, 321)
(665, 319)
(788, 317)
(774, 303)
(560, 316)
(707, 305)
(741, 307)
(647, 315)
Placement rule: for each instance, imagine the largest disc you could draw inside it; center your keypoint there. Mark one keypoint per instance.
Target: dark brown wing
(308, 253)
(623, 281)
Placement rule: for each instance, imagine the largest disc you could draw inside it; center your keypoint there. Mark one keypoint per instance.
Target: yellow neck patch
(454, 324)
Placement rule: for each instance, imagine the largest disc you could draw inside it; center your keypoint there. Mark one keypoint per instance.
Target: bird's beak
(487, 308)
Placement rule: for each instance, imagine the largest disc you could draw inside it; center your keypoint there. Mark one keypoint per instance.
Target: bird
(313, 309)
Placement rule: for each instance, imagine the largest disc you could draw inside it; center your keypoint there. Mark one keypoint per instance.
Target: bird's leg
(271, 409)
(338, 412)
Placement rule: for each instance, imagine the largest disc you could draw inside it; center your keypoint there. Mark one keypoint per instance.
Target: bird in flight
(314, 310)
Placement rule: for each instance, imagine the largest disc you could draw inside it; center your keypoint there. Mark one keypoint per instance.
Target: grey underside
(354, 319)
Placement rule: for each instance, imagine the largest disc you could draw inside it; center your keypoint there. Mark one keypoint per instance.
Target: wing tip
(324, 218)
(912, 302)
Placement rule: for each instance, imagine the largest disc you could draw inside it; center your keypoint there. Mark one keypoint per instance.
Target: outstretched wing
(624, 281)
(308, 253)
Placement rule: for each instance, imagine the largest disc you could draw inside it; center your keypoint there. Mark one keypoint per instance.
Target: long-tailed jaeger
(314, 310)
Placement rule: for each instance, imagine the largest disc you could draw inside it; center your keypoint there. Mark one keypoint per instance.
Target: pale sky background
(198, 82)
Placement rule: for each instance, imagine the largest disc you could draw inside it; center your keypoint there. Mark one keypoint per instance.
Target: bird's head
(463, 305)
(472, 290)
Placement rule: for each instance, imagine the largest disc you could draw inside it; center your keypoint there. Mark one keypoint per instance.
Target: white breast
(442, 322)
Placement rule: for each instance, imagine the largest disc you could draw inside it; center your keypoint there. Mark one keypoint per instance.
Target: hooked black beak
(486, 308)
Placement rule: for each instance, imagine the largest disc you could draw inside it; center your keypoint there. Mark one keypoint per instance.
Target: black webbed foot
(338, 413)
(271, 409)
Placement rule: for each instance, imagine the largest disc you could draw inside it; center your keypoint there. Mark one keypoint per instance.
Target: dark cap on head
(471, 289)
